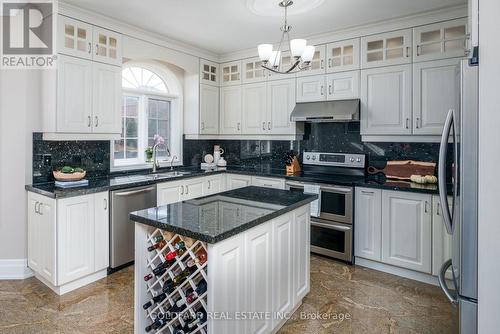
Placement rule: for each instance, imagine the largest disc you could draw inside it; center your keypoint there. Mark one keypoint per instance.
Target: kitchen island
(235, 262)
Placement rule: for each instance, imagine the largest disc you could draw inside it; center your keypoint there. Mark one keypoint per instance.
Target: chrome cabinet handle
(417, 121)
(90, 47)
(407, 52)
(322, 64)
(264, 126)
(269, 125)
(96, 121)
(407, 123)
(426, 210)
(208, 184)
(89, 124)
(330, 62)
(40, 206)
(367, 192)
(182, 190)
(36, 203)
(322, 90)
(438, 206)
(238, 126)
(187, 190)
(330, 89)
(97, 49)
(203, 125)
(418, 50)
(105, 204)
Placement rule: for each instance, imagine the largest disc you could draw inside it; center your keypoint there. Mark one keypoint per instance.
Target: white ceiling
(223, 26)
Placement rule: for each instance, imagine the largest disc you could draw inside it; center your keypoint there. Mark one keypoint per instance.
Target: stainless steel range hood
(329, 111)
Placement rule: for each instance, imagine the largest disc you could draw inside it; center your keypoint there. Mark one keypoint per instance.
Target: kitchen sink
(167, 175)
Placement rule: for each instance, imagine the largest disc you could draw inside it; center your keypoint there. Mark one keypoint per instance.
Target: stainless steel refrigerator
(460, 216)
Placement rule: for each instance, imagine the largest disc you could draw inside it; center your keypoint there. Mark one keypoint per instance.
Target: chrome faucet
(155, 155)
(172, 162)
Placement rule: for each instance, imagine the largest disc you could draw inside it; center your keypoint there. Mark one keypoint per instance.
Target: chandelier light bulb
(308, 54)
(275, 59)
(297, 47)
(265, 52)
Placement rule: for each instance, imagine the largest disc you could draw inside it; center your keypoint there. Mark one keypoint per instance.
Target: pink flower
(159, 140)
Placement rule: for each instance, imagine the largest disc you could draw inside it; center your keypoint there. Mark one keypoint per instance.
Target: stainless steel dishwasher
(122, 228)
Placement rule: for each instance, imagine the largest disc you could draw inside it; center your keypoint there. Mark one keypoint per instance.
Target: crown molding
(405, 22)
(130, 30)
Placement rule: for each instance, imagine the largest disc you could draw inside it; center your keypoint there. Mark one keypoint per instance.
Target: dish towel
(315, 206)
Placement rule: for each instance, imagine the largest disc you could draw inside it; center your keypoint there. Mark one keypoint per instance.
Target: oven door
(336, 204)
(332, 239)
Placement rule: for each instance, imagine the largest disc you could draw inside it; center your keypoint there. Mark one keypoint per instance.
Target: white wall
(489, 162)
(19, 117)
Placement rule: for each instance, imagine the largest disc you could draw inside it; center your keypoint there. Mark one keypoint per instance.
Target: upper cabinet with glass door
(317, 65)
(286, 62)
(440, 40)
(74, 38)
(209, 72)
(231, 73)
(253, 70)
(392, 48)
(343, 56)
(83, 40)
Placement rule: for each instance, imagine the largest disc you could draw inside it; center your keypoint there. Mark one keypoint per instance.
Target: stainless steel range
(330, 175)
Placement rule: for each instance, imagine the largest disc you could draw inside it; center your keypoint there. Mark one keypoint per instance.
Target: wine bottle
(159, 245)
(163, 265)
(179, 250)
(202, 287)
(148, 277)
(201, 256)
(168, 286)
(177, 308)
(158, 238)
(181, 277)
(156, 299)
(201, 317)
(157, 324)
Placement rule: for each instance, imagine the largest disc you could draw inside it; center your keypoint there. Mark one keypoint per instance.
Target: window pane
(163, 129)
(131, 149)
(163, 109)
(142, 79)
(152, 109)
(130, 106)
(152, 128)
(119, 152)
(132, 126)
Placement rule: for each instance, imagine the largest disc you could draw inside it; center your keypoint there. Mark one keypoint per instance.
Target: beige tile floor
(351, 299)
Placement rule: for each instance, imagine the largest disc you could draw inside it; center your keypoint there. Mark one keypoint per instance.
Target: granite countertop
(200, 218)
(136, 180)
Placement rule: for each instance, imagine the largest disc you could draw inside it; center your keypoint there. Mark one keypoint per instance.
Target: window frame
(175, 122)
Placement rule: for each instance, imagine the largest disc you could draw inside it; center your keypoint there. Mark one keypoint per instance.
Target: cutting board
(403, 170)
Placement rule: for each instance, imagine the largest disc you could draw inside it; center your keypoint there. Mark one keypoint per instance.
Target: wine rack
(155, 285)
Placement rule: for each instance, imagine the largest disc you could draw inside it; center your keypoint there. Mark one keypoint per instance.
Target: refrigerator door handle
(452, 297)
(443, 152)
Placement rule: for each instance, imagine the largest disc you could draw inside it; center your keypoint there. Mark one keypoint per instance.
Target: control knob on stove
(358, 160)
(308, 157)
(352, 159)
(314, 157)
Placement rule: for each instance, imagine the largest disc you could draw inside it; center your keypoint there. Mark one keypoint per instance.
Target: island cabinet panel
(368, 231)
(282, 265)
(258, 244)
(301, 246)
(227, 289)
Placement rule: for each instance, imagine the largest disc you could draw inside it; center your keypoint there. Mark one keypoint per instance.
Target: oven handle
(331, 226)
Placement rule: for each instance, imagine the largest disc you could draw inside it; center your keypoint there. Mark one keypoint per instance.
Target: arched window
(146, 114)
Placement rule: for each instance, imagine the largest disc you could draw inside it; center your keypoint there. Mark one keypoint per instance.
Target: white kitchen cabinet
(253, 70)
(435, 91)
(168, 192)
(301, 246)
(392, 48)
(42, 236)
(386, 100)
(235, 181)
(74, 38)
(286, 63)
(227, 261)
(209, 110)
(209, 73)
(258, 253)
(106, 98)
(268, 182)
(311, 88)
(441, 240)
(75, 233)
(283, 248)
(231, 73)
(192, 188)
(343, 56)
(101, 231)
(440, 40)
(254, 113)
(213, 185)
(318, 63)
(230, 110)
(368, 224)
(280, 104)
(74, 95)
(407, 230)
(343, 85)
(107, 46)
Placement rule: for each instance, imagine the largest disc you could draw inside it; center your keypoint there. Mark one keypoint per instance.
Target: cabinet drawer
(268, 182)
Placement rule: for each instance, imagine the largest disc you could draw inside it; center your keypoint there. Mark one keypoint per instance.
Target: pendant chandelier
(302, 54)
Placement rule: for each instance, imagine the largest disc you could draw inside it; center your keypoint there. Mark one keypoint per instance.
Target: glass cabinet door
(318, 62)
(74, 37)
(386, 49)
(107, 46)
(209, 72)
(440, 40)
(286, 63)
(253, 70)
(343, 56)
(231, 73)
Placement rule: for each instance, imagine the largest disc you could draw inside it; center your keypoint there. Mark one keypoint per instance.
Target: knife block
(294, 167)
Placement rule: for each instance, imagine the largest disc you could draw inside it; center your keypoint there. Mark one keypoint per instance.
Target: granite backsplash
(94, 156)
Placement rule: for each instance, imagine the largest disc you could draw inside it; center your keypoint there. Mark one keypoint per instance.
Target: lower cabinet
(265, 269)
(441, 240)
(406, 230)
(394, 227)
(175, 191)
(68, 238)
(235, 181)
(268, 182)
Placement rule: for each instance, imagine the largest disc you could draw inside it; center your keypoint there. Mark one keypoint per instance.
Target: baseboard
(14, 269)
(406, 273)
(76, 284)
